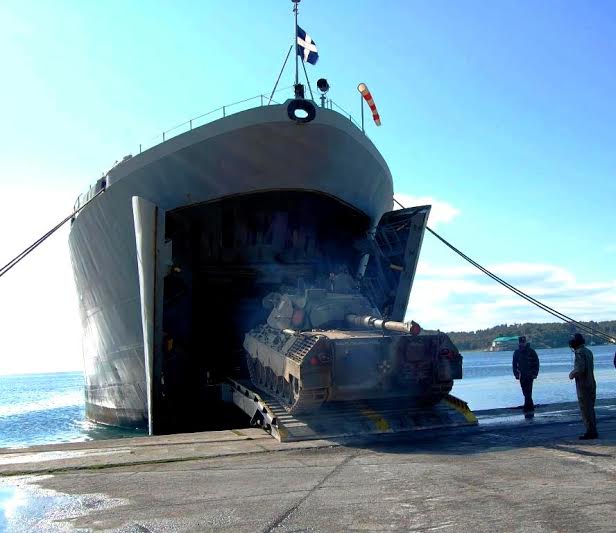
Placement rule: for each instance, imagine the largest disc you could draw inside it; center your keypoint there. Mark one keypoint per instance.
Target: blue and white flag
(306, 47)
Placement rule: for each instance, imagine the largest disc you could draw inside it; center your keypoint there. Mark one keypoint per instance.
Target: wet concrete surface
(507, 474)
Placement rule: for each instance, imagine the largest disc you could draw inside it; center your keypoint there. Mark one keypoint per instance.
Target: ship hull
(254, 152)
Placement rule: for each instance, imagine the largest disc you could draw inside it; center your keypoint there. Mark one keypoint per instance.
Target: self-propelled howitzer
(321, 346)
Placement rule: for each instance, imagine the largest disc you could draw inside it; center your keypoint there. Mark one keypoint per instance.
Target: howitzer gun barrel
(372, 322)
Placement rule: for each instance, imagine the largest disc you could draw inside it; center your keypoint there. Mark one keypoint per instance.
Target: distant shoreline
(541, 335)
(542, 348)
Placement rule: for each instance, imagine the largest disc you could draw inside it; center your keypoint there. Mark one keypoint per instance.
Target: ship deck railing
(259, 100)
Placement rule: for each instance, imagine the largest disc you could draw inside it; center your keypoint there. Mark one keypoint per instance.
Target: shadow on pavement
(556, 426)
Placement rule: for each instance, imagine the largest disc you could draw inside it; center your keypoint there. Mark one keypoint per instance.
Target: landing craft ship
(172, 263)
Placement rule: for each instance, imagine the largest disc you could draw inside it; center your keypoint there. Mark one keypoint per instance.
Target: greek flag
(306, 47)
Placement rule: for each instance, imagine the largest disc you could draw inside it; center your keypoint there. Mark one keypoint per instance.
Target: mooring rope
(40, 240)
(522, 294)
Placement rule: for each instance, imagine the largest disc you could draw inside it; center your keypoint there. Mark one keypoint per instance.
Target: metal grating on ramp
(345, 419)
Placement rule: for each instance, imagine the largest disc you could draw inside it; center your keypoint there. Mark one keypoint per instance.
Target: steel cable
(515, 290)
(41, 239)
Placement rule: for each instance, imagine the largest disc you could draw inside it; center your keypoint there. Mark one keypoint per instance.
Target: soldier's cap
(522, 339)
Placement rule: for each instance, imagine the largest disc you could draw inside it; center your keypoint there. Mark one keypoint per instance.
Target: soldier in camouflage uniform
(583, 372)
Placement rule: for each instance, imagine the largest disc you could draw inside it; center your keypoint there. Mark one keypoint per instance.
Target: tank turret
(318, 345)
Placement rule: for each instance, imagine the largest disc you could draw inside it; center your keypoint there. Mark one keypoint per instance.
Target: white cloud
(441, 212)
(464, 299)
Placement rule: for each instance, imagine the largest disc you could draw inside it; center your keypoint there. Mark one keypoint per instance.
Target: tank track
(289, 395)
(436, 393)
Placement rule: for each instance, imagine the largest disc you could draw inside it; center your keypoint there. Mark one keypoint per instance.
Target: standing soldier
(585, 385)
(526, 369)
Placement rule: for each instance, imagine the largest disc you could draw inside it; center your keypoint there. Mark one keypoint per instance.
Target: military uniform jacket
(525, 363)
(584, 368)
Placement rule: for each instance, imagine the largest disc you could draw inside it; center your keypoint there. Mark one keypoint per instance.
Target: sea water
(489, 382)
(49, 408)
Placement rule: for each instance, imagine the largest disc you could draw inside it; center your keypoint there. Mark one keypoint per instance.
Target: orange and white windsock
(363, 89)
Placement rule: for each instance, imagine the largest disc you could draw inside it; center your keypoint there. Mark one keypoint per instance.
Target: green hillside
(551, 335)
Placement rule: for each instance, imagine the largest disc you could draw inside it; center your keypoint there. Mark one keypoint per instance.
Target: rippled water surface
(48, 408)
(489, 383)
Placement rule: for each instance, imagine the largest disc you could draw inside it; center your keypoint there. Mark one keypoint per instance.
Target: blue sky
(501, 114)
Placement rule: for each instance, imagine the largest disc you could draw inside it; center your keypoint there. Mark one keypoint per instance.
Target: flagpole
(295, 6)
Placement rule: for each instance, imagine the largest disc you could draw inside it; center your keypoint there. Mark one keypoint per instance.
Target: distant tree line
(551, 335)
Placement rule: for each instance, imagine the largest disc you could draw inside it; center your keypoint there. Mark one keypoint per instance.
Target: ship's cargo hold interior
(227, 256)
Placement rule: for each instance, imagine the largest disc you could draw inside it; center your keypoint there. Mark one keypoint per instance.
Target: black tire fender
(301, 105)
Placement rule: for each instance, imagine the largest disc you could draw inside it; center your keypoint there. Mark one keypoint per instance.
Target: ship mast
(295, 10)
(299, 88)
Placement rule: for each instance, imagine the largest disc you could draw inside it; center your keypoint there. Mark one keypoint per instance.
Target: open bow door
(149, 220)
(394, 251)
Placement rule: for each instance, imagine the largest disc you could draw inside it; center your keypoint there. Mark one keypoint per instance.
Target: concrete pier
(507, 474)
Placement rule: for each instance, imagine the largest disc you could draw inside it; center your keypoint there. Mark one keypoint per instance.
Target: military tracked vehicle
(324, 346)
